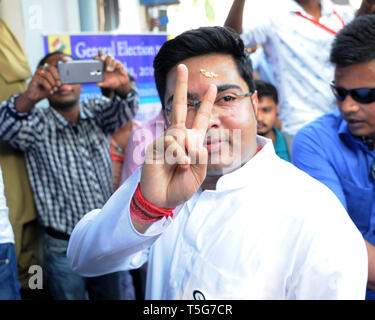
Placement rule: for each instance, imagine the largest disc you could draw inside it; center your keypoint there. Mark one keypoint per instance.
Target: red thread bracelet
(149, 207)
(138, 214)
(116, 158)
(144, 211)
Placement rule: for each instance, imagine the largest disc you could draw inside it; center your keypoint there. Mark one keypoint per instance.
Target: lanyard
(316, 22)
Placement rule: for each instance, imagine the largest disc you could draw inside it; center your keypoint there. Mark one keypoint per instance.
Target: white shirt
(6, 231)
(298, 52)
(268, 231)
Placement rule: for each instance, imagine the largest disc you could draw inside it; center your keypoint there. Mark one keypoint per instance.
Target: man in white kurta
(268, 231)
(246, 225)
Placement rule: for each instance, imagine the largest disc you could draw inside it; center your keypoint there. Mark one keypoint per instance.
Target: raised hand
(45, 82)
(115, 75)
(176, 163)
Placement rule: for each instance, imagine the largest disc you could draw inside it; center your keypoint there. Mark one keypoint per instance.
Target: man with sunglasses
(200, 211)
(338, 148)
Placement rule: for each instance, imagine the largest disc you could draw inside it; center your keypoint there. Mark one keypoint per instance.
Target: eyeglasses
(225, 102)
(362, 95)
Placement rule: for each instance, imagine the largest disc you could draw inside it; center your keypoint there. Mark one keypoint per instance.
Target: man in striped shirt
(67, 155)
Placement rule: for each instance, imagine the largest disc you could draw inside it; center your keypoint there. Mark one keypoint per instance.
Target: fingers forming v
(179, 104)
(203, 116)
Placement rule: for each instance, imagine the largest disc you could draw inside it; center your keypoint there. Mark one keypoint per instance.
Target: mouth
(354, 122)
(213, 145)
(215, 140)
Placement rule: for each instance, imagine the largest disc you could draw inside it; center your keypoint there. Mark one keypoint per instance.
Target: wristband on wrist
(144, 211)
(116, 158)
(139, 215)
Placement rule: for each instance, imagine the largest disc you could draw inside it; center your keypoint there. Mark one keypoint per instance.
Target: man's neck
(312, 7)
(209, 182)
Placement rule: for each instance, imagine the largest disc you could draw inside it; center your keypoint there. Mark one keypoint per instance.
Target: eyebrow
(221, 88)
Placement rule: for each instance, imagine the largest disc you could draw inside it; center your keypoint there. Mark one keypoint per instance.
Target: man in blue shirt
(267, 115)
(338, 148)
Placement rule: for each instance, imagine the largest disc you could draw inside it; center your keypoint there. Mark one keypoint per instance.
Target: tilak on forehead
(208, 74)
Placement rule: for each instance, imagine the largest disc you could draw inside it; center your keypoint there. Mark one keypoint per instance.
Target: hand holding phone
(115, 75)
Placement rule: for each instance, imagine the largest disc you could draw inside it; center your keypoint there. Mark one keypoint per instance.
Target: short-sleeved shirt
(298, 52)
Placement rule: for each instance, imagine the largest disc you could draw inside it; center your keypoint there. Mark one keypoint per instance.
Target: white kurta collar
(239, 178)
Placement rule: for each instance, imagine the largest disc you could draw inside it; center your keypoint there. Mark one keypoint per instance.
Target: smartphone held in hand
(80, 71)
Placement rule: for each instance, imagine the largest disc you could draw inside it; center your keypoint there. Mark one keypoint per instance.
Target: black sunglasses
(362, 95)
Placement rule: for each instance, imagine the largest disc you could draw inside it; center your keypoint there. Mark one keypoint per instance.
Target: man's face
(359, 116)
(67, 95)
(227, 147)
(266, 116)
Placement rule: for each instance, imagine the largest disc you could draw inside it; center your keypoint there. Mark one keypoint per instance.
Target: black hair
(265, 89)
(51, 54)
(198, 42)
(355, 43)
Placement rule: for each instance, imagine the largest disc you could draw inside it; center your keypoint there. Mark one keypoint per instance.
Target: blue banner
(136, 52)
(158, 2)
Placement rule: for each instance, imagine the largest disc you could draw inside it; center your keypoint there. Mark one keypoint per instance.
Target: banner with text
(136, 52)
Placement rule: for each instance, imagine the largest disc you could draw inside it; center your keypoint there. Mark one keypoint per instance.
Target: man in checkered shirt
(67, 156)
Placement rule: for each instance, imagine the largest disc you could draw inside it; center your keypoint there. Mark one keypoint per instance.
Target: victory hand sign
(176, 163)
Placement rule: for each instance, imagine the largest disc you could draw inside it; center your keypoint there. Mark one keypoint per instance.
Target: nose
(214, 119)
(349, 105)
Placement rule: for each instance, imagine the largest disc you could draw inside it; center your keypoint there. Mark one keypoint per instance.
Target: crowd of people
(255, 181)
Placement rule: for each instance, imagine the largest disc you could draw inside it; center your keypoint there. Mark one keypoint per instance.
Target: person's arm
(43, 84)
(235, 16)
(105, 240)
(20, 129)
(258, 31)
(116, 78)
(310, 157)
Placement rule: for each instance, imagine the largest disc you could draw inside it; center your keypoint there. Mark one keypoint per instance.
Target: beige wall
(11, 13)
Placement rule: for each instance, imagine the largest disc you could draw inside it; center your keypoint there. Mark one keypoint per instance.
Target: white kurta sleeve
(105, 240)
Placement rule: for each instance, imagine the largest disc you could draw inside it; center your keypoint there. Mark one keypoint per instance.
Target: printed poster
(136, 52)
